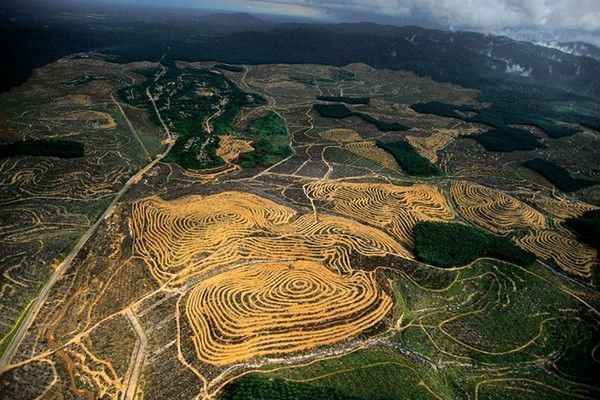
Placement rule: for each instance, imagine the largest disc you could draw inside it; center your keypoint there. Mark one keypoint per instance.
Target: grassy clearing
(408, 158)
(501, 315)
(375, 374)
(557, 175)
(450, 244)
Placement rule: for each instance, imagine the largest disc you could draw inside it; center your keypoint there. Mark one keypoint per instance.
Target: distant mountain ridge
(460, 57)
(441, 54)
(233, 22)
(582, 49)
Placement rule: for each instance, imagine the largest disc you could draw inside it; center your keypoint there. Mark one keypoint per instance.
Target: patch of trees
(507, 139)
(587, 227)
(345, 99)
(407, 157)
(270, 142)
(557, 175)
(441, 109)
(501, 114)
(186, 112)
(313, 81)
(253, 387)
(341, 111)
(333, 110)
(231, 68)
(448, 244)
(343, 75)
(82, 80)
(42, 148)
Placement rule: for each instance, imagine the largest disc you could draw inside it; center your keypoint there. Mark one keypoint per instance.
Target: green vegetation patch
(587, 228)
(556, 174)
(447, 244)
(345, 99)
(230, 68)
(82, 80)
(441, 109)
(42, 148)
(333, 110)
(502, 315)
(312, 82)
(270, 141)
(507, 140)
(340, 75)
(255, 387)
(343, 75)
(374, 374)
(408, 158)
(197, 105)
(383, 126)
(8, 337)
(501, 114)
(341, 111)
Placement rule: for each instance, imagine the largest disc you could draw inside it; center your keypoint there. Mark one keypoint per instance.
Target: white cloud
(489, 15)
(286, 8)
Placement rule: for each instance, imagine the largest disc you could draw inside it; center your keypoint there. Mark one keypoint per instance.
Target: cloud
(491, 15)
(537, 20)
(287, 8)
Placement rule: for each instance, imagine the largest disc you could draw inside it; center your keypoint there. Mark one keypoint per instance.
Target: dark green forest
(270, 140)
(557, 175)
(507, 140)
(407, 157)
(448, 244)
(345, 99)
(42, 148)
(260, 388)
(341, 111)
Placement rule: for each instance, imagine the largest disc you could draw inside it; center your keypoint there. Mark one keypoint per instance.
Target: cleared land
(494, 210)
(284, 308)
(395, 208)
(278, 253)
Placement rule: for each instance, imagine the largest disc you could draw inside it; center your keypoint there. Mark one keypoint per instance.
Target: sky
(531, 19)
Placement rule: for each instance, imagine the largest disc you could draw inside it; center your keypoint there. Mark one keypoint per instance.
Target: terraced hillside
(220, 238)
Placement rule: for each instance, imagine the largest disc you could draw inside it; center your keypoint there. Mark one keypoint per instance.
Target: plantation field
(293, 231)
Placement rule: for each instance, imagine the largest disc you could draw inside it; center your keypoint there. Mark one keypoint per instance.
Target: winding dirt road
(42, 296)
